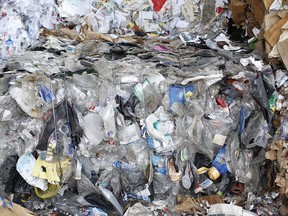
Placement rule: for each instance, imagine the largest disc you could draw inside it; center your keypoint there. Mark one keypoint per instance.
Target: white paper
(276, 5)
(7, 115)
(70, 8)
(245, 61)
(225, 209)
(255, 31)
(182, 24)
(176, 9)
(219, 139)
(146, 15)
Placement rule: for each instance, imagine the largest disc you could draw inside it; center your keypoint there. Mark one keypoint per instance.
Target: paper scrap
(219, 139)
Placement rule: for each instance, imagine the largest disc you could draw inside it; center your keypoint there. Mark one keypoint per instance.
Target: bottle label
(207, 183)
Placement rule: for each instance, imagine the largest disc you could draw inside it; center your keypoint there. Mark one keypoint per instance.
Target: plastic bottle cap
(219, 193)
(213, 173)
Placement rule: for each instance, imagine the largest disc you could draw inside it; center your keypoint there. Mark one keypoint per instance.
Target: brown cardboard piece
(274, 61)
(16, 210)
(258, 8)
(268, 47)
(270, 20)
(260, 45)
(282, 13)
(250, 15)
(238, 10)
(251, 23)
(192, 205)
(272, 35)
(97, 36)
(267, 4)
(283, 50)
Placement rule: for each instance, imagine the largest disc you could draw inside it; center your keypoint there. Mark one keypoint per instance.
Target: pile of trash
(94, 124)
(22, 22)
(172, 126)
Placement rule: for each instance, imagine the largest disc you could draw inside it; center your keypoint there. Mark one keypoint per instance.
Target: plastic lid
(213, 173)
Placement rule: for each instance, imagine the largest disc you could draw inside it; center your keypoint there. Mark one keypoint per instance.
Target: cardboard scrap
(282, 13)
(272, 35)
(270, 20)
(192, 205)
(258, 9)
(275, 53)
(283, 210)
(238, 10)
(97, 36)
(279, 151)
(14, 210)
(267, 4)
(268, 47)
(283, 50)
(74, 35)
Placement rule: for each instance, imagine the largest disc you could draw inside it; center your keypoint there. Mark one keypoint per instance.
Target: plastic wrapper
(200, 137)
(71, 204)
(260, 95)
(241, 162)
(256, 132)
(99, 200)
(161, 183)
(138, 209)
(85, 186)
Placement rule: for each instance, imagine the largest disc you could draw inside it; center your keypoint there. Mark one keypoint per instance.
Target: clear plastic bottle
(224, 185)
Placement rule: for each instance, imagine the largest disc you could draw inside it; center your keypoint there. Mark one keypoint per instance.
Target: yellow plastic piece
(188, 94)
(131, 25)
(213, 173)
(49, 193)
(46, 170)
(50, 170)
(202, 170)
(153, 35)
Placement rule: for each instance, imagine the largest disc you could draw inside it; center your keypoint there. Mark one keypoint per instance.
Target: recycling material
(143, 107)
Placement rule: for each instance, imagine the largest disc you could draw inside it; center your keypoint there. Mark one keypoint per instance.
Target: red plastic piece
(221, 102)
(158, 4)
